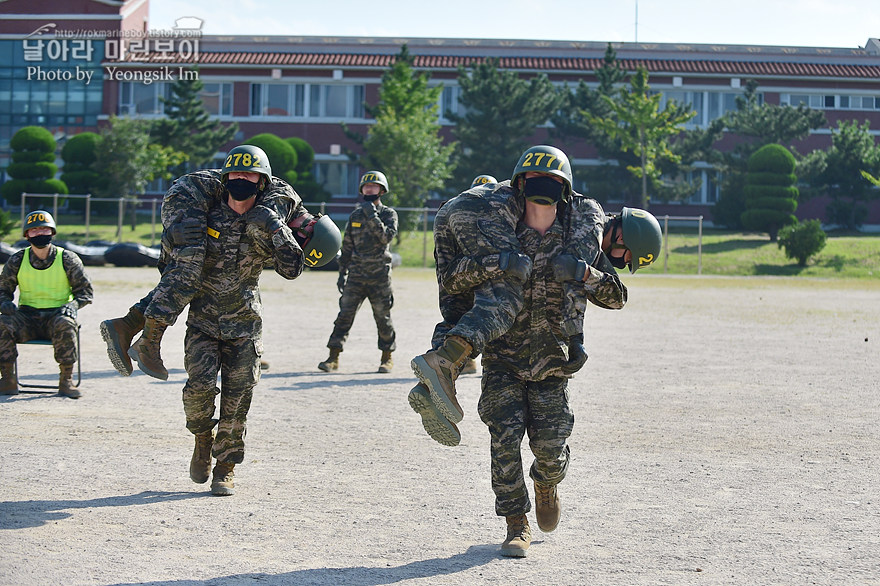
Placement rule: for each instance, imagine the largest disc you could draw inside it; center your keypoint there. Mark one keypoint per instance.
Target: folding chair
(43, 342)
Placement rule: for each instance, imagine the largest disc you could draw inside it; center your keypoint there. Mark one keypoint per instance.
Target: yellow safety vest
(43, 288)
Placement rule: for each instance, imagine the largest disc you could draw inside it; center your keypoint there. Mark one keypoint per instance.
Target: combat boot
(385, 363)
(264, 365)
(470, 367)
(547, 507)
(9, 382)
(118, 334)
(146, 350)
(332, 362)
(200, 465)
(221, 484)
(435, 423)
(438, 370)
(65, 382)
(519, 537)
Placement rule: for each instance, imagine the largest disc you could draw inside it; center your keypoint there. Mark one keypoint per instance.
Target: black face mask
(617, 261)
(543, 190)
(371, 197)
(41, 241)
(241, 189)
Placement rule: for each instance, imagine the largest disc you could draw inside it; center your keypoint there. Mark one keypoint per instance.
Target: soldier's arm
(80, 285)
(381, 226)
(466, 272)
(347, 248)
(287, 255)
(9, 277)
(604, 287)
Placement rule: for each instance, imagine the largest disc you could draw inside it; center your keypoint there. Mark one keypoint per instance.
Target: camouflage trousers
(494, 309)
(180, 269)
(32, 324)
(512, 408)
(381, 300)
(238, 363)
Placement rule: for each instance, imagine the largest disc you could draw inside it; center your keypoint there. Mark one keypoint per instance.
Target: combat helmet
(38, 219)
(642, 236)
(377, 177)
(544, 159)
(247, 158)
(482, 179)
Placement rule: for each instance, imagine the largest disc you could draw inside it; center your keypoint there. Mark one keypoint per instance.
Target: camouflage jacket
(228, 304)
(366, 255)
(81, 287)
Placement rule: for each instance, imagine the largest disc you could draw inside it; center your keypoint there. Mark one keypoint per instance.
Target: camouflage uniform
(524, 385)
(192, 196)
(224, 325)
(365, 266)
(56, 324)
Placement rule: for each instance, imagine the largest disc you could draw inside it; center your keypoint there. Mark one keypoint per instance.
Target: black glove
(186, 232)
(264, 218)
(8, 308)
(515, 265)
(303, 226)
(577, 355)
(340, 283)
(70, 309)
(567, 267)
(369, 208)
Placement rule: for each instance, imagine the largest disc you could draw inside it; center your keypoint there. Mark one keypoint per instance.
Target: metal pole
(153, 223)
(665, 242)
(119, 215)
(23, 198)
(88, 213)
(425, 238)
(700, 248)
(55, 206)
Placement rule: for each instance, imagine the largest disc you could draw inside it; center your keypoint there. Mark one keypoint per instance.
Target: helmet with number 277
(544, 159)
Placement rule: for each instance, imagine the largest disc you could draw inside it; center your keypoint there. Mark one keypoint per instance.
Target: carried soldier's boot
(519, 537)
(470, 367)
(118, 334)
(264, 365)
(9, 382)
(439, 368)
(146, 350)
(65, 382)
(435, 423)
(200, 465)
(221, 484)
(385, 363)
(332, 362)
(547, 507)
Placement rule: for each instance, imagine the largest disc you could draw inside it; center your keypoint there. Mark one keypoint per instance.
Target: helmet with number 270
(38, 219)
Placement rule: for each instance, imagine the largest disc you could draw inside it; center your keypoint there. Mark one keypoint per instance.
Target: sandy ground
(727, 433)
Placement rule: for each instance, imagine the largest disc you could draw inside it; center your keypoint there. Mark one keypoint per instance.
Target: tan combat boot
(222, 485)
(118, 334)
(435, 423)
(438, 369)
(470, 367)
(547, 507)
(519, 537)
(200, 465)
(385, 363)
(9, 382)
(264, 365)
(332, 362)
(65, 382)
(146, 350)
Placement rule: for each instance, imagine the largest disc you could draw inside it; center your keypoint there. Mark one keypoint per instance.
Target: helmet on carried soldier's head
(325, 242)
(544, 159)
(377, 177)
(247, 158)
(481, 179)
(38, 219)
(642, 236)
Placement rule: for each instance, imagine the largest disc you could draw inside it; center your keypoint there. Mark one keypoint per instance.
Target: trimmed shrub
(282, 157)
(33, 168)
(770, 194)
(801, 241)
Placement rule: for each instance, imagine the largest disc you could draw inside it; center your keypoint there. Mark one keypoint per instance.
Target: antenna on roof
(637, 21)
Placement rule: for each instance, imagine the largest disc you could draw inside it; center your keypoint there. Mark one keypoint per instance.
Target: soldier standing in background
(365, 271)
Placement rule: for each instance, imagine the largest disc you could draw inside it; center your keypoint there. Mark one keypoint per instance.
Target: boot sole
(122, 366)
(326, 368)
(133, 354)
(222, 491)
(513, 552)
(430, 379)
(435, 423)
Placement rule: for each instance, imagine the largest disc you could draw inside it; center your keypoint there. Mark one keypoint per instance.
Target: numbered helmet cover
(377, 177)
(482, 179)
(544, 159)
(325, 242)
(247, 158)
(38, 219)
(642, 236)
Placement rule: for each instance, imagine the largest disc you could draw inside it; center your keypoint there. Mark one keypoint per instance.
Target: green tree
(405, 143)
(33, 165)
(803, 240)
(79, 154)
(756, 124)
(306, 186)
(282, 156)
(771, 197)
(841, 173)
(643, 128)
(501, 113)
(188, 127)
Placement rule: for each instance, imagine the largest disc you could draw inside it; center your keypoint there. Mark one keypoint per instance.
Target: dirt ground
(727, 433)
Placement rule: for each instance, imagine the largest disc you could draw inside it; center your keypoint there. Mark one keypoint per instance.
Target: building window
(144, 99)
(449, 102)
(324, 100)
(832, 102)
(338, 177)
(217, 98)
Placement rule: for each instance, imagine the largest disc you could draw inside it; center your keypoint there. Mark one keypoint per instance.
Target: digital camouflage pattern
(56, 324)
(365, 270)
(192, 196)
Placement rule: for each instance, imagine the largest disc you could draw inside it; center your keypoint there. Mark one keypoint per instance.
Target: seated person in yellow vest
(52, 286)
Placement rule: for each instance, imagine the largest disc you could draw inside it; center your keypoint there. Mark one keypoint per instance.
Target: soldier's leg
(349, 303)
(202, 363)
(14, 329)
(496, 305)
(382, 300)
(239, 374)
(502, 407)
